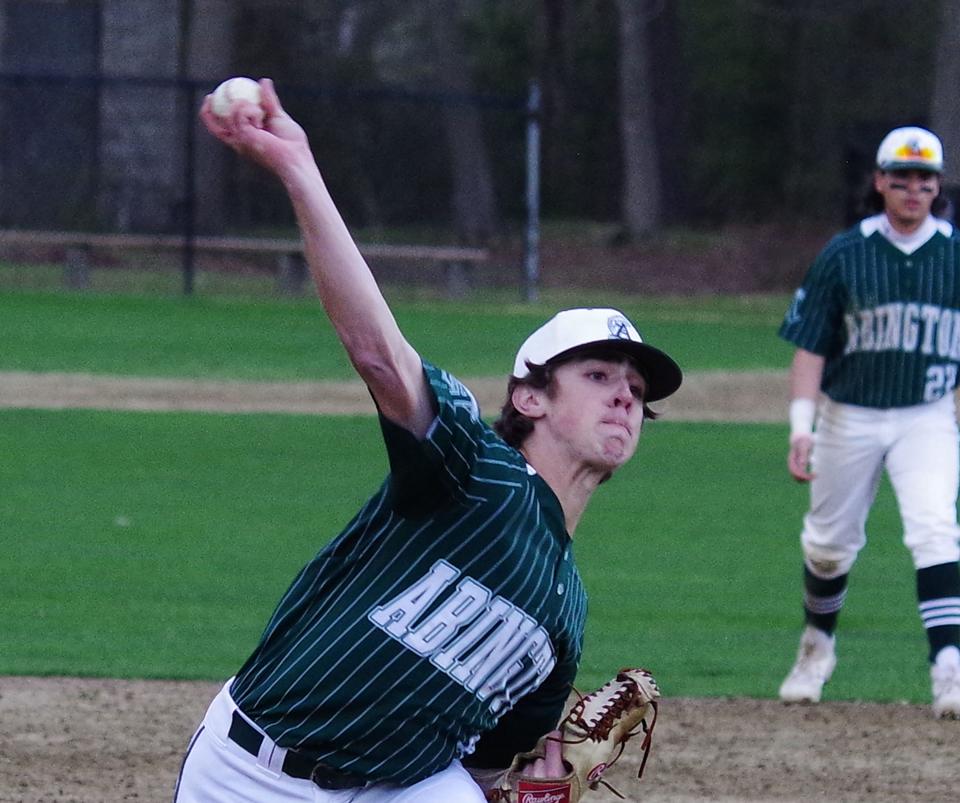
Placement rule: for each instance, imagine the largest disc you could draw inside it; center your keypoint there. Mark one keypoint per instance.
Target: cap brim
(927, 168)
(663, 375)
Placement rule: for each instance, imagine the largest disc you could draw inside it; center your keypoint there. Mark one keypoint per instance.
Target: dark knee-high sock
(823, 599)
(938, 596)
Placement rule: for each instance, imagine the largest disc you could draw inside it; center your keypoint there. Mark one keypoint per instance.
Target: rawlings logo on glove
(590, 739)
(550, 793)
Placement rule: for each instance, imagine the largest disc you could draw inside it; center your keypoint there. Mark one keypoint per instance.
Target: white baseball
(231, 91)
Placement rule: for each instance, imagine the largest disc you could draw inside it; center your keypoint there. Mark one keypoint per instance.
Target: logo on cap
(619, 327)
(911, 149)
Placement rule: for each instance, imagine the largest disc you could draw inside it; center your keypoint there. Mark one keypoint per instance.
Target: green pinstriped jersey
(451, 596)
(886, 322)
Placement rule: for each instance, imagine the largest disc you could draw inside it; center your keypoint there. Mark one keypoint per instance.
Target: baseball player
(445, 622)
(876, 323)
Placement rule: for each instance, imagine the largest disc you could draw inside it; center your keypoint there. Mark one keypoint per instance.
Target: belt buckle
(327, 777)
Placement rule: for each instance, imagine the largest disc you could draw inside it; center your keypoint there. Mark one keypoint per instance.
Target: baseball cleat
(945, 678)
(814, 666)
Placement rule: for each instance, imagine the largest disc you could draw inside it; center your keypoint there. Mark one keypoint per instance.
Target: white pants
(216, 770)
(852, 445)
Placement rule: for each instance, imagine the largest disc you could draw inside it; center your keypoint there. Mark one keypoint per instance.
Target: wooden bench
(291, 270)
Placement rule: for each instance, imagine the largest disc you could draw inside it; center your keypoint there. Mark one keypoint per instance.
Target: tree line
(655, 112)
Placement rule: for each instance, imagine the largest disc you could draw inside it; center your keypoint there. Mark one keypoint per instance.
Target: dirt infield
(105, 741)
(756, 396)
(100, 741)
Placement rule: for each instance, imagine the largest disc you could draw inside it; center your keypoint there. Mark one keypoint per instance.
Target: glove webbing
(644, 728)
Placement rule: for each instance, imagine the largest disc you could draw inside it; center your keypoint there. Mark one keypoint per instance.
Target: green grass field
(267, 340)
(155, 545)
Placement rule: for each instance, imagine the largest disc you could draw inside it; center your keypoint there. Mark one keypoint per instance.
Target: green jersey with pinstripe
(887, 322)
(450, 599)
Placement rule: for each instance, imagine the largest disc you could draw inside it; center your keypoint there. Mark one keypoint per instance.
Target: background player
(877, 326)
(450, 606)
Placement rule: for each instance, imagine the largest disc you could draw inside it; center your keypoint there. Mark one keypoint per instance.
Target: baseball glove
(593, 734)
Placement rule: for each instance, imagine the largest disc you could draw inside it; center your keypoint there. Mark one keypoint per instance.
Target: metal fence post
(531, 251)
(189, 179)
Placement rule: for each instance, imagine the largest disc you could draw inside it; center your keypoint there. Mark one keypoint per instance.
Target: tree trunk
(141, 148)
(209, 56)
(816, 117)
(641, 204)
(944, 107)
(474, 203)
(48, 156)
(555, 57)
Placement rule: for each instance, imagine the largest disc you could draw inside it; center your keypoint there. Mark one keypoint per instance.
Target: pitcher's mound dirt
(101, 741)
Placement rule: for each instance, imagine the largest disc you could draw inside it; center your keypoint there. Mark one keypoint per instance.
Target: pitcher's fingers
(214, 123)
(269, 99)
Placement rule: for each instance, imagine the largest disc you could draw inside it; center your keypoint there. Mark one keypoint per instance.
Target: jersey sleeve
(425, 472)
(814, 321)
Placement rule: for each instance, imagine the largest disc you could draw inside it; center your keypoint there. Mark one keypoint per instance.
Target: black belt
(295, 764)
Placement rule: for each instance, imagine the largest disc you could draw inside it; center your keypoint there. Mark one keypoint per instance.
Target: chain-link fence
(127, 156)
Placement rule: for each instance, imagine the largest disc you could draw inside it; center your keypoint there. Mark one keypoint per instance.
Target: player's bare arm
(364, 323)
(806, 371)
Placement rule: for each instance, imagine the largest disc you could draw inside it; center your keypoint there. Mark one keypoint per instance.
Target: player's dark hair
(513, 426)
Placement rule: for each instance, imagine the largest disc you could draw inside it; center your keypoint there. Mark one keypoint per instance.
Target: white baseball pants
(918, 446)
(216, 770)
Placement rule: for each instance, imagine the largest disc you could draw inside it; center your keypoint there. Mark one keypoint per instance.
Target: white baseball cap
(574, 329)
(910, 148)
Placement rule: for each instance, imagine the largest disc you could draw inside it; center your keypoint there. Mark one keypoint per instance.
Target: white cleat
(814, 666)
(945, 677)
